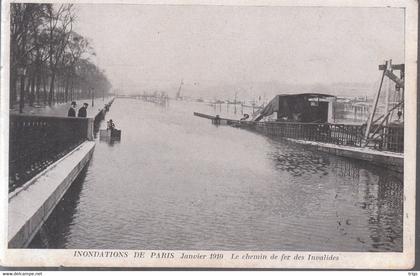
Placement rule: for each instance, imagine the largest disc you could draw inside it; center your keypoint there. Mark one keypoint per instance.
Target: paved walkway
(60, 110)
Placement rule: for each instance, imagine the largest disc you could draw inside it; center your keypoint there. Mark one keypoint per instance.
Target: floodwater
(175, 181)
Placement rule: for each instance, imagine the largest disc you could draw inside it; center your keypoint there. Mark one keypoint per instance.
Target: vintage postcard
(208, 134)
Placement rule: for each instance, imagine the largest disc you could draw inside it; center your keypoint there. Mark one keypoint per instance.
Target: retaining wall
(30, 205)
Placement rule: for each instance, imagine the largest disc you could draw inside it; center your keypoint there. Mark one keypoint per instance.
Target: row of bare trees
(49, 62)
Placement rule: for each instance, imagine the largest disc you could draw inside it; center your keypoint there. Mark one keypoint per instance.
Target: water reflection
(299, 163)
(178, 182)
(378, 193)
(54, 233)
(386, 219)
(110, 140)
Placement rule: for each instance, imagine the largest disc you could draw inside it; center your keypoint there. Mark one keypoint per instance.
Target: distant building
(305, 108)
(351, 109)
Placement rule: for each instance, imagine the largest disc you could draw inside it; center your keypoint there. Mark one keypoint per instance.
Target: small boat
(106, 134)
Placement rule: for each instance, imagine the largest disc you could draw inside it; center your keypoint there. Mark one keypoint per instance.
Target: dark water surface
(176, 181)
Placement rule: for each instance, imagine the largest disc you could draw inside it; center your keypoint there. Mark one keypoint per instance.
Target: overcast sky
(153, 46)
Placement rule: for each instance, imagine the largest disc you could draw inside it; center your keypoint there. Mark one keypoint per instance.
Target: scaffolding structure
(390, 123)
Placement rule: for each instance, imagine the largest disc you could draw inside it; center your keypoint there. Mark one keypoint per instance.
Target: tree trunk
(38, 84)
(63, 96)
(60, 85)
(32, 93)
(66, 91)
(22, 94)
(51, 94)
(72, 89)
(44, 90)
(13, 88)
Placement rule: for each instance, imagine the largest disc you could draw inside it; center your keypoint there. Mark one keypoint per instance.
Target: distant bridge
(153, 98)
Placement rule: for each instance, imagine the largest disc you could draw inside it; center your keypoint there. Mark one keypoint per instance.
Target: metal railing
(391, 138)
(388, 138)
(35, 142)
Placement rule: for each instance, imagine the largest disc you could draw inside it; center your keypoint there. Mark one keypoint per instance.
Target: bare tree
(45, 51)
(24, 26)
(59, 29)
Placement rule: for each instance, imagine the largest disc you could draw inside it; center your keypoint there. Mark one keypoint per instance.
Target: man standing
(82, 111)
(72, 110)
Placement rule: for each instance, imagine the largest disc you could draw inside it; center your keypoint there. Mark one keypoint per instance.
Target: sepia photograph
(209, 135)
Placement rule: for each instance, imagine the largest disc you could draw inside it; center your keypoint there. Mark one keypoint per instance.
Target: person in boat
(245, 117)
(110, 125)
(72, 110)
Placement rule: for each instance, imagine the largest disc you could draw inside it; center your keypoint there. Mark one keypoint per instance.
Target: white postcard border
(99, 258)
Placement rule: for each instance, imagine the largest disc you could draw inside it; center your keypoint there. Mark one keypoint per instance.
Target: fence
(37, 141)
(393, 138)
(388, 138)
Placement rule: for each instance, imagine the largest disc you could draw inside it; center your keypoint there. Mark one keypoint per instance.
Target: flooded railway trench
(175, 181)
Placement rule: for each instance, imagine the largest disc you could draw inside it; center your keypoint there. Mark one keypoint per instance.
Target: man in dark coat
(82, 111)
(72, 110)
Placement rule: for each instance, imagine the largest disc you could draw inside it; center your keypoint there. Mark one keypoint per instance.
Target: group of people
(82, 113)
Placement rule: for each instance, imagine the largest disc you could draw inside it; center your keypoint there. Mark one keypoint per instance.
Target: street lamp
(22, 73)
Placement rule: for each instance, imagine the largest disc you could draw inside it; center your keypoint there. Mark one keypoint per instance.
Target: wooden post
(387, 93)
(375, 103)
(386, 121)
